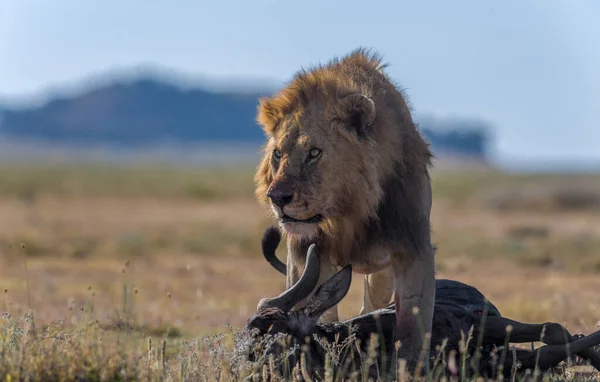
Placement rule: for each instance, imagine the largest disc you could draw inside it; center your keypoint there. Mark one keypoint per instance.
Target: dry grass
(121, 255)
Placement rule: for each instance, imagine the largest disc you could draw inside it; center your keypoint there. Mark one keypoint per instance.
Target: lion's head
(323, 158)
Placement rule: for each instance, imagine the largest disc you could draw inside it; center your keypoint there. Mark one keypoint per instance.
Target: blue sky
(529, 66)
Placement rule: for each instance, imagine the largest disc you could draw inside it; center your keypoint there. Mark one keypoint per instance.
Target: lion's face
(314, 167)
(304, 189)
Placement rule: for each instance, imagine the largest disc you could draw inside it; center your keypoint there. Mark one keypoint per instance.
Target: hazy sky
(532, 67)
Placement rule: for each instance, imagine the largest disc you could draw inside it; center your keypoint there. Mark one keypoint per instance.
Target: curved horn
(302, 289)
(270, 242)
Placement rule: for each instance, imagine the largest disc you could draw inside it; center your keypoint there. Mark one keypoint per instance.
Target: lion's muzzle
(280, 196)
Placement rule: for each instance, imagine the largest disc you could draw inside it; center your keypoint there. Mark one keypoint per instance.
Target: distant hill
(152, 111)
(460, 137)
(144, 111)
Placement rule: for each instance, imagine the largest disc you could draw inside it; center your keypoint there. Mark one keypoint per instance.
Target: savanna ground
(119, 273)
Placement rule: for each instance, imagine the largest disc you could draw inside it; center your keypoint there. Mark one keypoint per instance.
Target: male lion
(346, 168)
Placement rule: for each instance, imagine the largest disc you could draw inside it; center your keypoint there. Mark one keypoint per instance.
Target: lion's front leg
(414, 288)
(293, 271)
(378, 291)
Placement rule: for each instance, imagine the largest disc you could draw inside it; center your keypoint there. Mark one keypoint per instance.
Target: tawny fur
(370, 182)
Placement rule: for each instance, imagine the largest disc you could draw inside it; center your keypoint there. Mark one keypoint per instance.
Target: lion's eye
(277, 154)
(315, 153)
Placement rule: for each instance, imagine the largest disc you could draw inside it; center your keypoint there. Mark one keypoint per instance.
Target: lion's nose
(281, 198)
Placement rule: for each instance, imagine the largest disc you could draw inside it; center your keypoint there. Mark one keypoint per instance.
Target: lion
(346, 168)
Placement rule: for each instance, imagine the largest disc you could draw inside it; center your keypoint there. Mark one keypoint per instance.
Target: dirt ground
(194, 263)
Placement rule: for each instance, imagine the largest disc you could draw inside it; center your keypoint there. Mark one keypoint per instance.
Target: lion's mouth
(288, 219)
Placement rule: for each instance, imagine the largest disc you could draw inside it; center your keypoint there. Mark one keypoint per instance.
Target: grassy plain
(98, 259)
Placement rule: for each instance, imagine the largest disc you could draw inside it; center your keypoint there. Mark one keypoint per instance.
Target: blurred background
(128, 143)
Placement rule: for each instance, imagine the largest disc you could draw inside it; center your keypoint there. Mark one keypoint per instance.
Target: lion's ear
(357, 111)
(268, 114)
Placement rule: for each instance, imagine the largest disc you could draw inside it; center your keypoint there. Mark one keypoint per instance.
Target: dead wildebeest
(349, 344)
